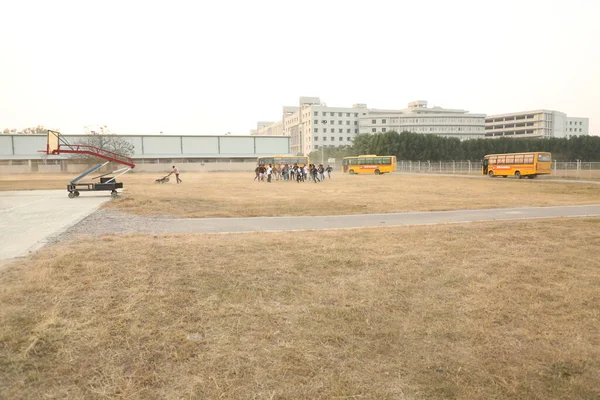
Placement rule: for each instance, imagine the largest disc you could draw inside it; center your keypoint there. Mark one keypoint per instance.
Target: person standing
(175, 171)
(484, 166)
(269, 173)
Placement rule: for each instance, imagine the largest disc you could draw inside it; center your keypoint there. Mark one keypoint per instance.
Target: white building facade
(312, 125)
(535, 124)
(418, 118)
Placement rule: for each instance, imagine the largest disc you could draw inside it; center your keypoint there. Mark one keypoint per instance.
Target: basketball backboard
(53, 141)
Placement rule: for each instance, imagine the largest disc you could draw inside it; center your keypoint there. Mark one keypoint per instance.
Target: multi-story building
(264, 128)
(535, 124)
(418, 118)
(313, 125)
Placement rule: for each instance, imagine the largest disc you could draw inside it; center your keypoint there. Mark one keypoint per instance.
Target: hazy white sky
(220, 66)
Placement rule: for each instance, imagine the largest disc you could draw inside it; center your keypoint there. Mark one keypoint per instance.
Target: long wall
(26, 147)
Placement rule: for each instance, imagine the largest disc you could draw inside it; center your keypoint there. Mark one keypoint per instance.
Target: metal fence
(566, 169)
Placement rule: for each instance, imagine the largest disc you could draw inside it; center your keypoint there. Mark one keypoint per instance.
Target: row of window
(332, 122)
(340, 114)
(369, 161)
(332, 130)
(518, 159)
(571, 123)
(433, 120)
(574, 130)
(341, 138)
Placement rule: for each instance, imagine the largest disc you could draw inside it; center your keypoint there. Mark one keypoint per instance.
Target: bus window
(345, 162)
(544, 157)
(501, 160)
(493, 161)
(519, 159)
(528, 159)
(510, 159)
(386, 160)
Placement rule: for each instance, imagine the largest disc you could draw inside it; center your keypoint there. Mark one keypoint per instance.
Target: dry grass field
(237, 195)
(399, 313)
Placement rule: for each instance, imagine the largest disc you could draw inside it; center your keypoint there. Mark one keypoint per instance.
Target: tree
(111, 143)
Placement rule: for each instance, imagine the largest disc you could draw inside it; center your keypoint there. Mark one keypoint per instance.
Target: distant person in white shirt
(176, 172)
(269, 172)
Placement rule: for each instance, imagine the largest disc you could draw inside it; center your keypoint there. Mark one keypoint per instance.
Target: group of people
(286, 172)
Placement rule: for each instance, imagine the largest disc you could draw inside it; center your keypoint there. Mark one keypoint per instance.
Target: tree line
(419, 147)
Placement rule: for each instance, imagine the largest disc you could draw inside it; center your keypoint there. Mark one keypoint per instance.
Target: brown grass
(236, 195)
(416, 313)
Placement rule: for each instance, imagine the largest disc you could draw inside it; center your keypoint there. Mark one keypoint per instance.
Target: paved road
(28, 218)
(112, 222)
(478, 176)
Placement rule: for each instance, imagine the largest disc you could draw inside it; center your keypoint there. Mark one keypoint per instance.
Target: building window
(356, 131)
(324, 138)
(570, 122)
(580, 130)
(316, 130)
(355, 122)
(332, 130)
(348, 139)
(324, 130)
(316, 121)
(356, 114)
(374, 129)
(339, 122)
(333, 138)
(347, 122)
(316, 113)
(332, 122)
(374, 121)
(347, 130)
(316, 138)
(341, 130)
(341, 139)
(316, 146)
(383, 121)
(339, 114)
(383, 130)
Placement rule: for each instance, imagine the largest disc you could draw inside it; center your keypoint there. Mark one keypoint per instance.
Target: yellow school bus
(282, 160)
(517, 164)
(369, 164)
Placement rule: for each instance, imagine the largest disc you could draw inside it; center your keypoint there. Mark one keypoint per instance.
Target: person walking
(329, 169)
(484, 166)
(175, 171)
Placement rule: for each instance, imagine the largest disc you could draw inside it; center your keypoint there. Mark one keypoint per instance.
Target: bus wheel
(491, 174)
(377, 172)
(351, 172)
(517, 175)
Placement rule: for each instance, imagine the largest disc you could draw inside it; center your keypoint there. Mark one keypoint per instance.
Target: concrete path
(28, 218)
(548, 178)
(114, 222)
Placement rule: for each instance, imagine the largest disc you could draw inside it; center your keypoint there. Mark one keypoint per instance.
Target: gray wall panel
(237, 145)
(200, 145)
(29, 145)
(162, 145)
(272, 146)
(5, 146)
